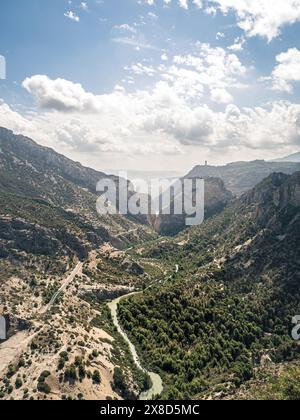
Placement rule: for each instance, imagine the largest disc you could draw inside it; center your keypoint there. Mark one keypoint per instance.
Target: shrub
(43, 388)
(96, 377)
(18, 383)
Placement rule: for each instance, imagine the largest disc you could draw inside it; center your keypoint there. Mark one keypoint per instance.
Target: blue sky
(153, 84)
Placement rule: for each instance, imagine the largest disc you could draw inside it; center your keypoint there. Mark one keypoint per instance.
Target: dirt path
(11, 349)
(126, 233)
(77, 270)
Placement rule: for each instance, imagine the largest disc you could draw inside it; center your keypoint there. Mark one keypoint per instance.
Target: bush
(70, 373)
(96, 377)
(43, 388)
(18, 383)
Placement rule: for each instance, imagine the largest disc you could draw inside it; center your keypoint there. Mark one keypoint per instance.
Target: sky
(150, 85)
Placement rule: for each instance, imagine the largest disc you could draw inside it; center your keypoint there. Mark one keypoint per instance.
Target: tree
(18, 383)
(96, 377)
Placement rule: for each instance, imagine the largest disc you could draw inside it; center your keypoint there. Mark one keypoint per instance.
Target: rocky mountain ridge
(240, 177)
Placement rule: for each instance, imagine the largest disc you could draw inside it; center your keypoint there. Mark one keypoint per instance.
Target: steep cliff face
(216, 197)
(26, 152)
(276, 201)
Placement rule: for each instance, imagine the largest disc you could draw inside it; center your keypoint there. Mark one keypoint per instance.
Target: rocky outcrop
(276, 201)
(216, 197)
(18, 234)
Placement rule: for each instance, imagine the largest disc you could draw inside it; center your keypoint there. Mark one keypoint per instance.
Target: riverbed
(157, 384)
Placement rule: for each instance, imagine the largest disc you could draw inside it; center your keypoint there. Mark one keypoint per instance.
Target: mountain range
(295, 157)
(212, 316)
(240, 177)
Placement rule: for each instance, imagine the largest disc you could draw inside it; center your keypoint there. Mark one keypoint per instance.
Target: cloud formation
(287, 71)
(263, 18)
(159, 121)
(60, 94)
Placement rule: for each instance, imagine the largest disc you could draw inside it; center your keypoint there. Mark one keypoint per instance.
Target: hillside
(295, 157)
(228, 310)
(56, 184)
(57, 267)
(240, 177)
(216, 197)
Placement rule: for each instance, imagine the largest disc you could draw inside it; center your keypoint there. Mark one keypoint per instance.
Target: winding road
(157, 383)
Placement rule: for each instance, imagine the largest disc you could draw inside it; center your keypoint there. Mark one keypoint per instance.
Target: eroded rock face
(276, 200)
(38, 240)
(216, 198)
(240, 177)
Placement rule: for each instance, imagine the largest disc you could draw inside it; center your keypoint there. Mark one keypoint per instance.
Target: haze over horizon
(153, 85)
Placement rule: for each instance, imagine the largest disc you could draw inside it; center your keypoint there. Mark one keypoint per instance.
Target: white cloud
(137, 42)
(183, 4)
(141, 69)
(72, 15)
(214, 69)
(84, 6)
(125, 28)
(264, 18)
(221, 96)
(261, 17)
(160, 121)
(60, 94)
(238, 44)
(287, 70)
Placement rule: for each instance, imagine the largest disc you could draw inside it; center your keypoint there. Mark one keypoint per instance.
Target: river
(157, 384)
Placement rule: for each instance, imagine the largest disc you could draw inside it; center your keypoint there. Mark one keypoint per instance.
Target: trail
(11, 349)
(65, 284)
(157, 383)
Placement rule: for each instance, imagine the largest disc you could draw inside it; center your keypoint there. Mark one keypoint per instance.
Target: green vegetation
(96, 377)
(129, 381)
(286, 386)
(205, 328)
(42, 386)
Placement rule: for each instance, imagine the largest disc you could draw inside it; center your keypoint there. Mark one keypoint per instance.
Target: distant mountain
(240, 177)
(295, 157)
